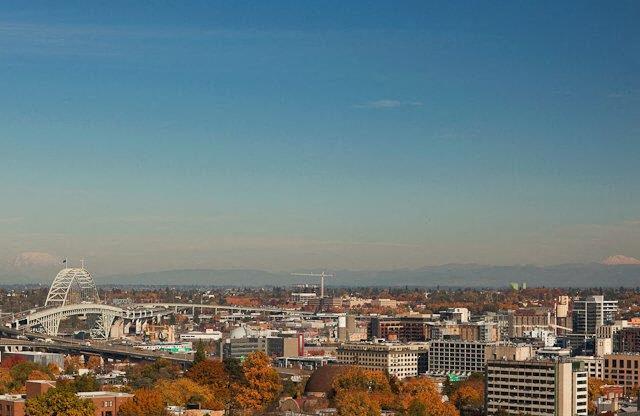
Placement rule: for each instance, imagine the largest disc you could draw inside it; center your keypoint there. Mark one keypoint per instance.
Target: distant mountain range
(449, 275)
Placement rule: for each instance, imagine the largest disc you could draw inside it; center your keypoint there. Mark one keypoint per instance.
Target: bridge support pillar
(102, 327)
(51, 324)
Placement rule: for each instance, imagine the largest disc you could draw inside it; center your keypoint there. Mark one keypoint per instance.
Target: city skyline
(319, 136)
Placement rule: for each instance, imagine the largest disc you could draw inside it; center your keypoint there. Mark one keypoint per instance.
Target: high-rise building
(594, 366)
(403, 328)
(536, 387)
(526, 320)
(479, 331)
(591, 313)
(622, 369)
(447, 356)
(627, 340)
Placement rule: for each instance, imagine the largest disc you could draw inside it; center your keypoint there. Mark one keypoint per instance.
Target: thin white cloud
(388, 103)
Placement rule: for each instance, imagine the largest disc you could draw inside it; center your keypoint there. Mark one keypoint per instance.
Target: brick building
(106, 403)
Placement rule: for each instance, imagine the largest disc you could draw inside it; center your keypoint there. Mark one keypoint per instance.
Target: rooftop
(90, 394)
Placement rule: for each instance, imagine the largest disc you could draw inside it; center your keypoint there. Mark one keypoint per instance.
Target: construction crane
(320, 275)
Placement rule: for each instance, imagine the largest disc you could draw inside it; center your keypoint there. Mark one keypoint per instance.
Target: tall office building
(403, 328)
(536, 387)
(627, 340)
(622, 369)
(525, 320)
(591, 313)
(456, 356)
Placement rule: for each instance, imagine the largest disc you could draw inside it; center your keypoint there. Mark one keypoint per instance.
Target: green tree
(146, 375)
(86, 382)
(201, 353)
(59, 402)
(233, 367)
(416, 408)
(22, 371)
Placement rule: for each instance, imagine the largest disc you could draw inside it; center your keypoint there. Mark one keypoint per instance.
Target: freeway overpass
(66, 346)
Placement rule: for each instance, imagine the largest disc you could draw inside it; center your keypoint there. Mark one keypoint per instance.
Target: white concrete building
(208, 335)
(399, 359)
(537, 388)
(460, 315)
(594, 366)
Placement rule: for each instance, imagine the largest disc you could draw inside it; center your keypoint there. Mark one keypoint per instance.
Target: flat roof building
(454, 356)
(536, 387)
(398, 359)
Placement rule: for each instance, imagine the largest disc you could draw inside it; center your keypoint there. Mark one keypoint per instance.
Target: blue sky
(285, 135)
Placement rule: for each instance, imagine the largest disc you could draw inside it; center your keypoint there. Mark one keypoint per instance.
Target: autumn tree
(183, 391)
(213, 375)
(39, 375)
(59, 402)
(357, 403)
(53, 369)
(94, 363)
(594, 390)
(209, 372)
(422, 392)
(261, 385)
(27, 370)
(146, 375)
(146, 402)
(5, 380)
(469, 394)
(374, 383)
(72, 364)
(11, 360)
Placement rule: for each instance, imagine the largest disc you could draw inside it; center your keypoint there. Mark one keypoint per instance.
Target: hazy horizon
(287, 135)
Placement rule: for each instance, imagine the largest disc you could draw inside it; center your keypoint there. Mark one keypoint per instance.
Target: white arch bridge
(48, 320)
(74, 293)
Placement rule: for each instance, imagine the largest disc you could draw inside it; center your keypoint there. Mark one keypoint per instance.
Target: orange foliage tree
(147, 402)
(183, 391)
(212, 374)
(357, 403)
(38, 375)
(594, 392)
(469, 394)
(94, 363)
(422, 393)
(375, 384)
(5, 380)
(261, 385)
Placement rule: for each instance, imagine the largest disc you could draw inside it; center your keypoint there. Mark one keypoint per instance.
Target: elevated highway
(34, 341)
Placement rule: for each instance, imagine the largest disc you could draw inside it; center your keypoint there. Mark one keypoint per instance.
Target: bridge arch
(68, 279)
